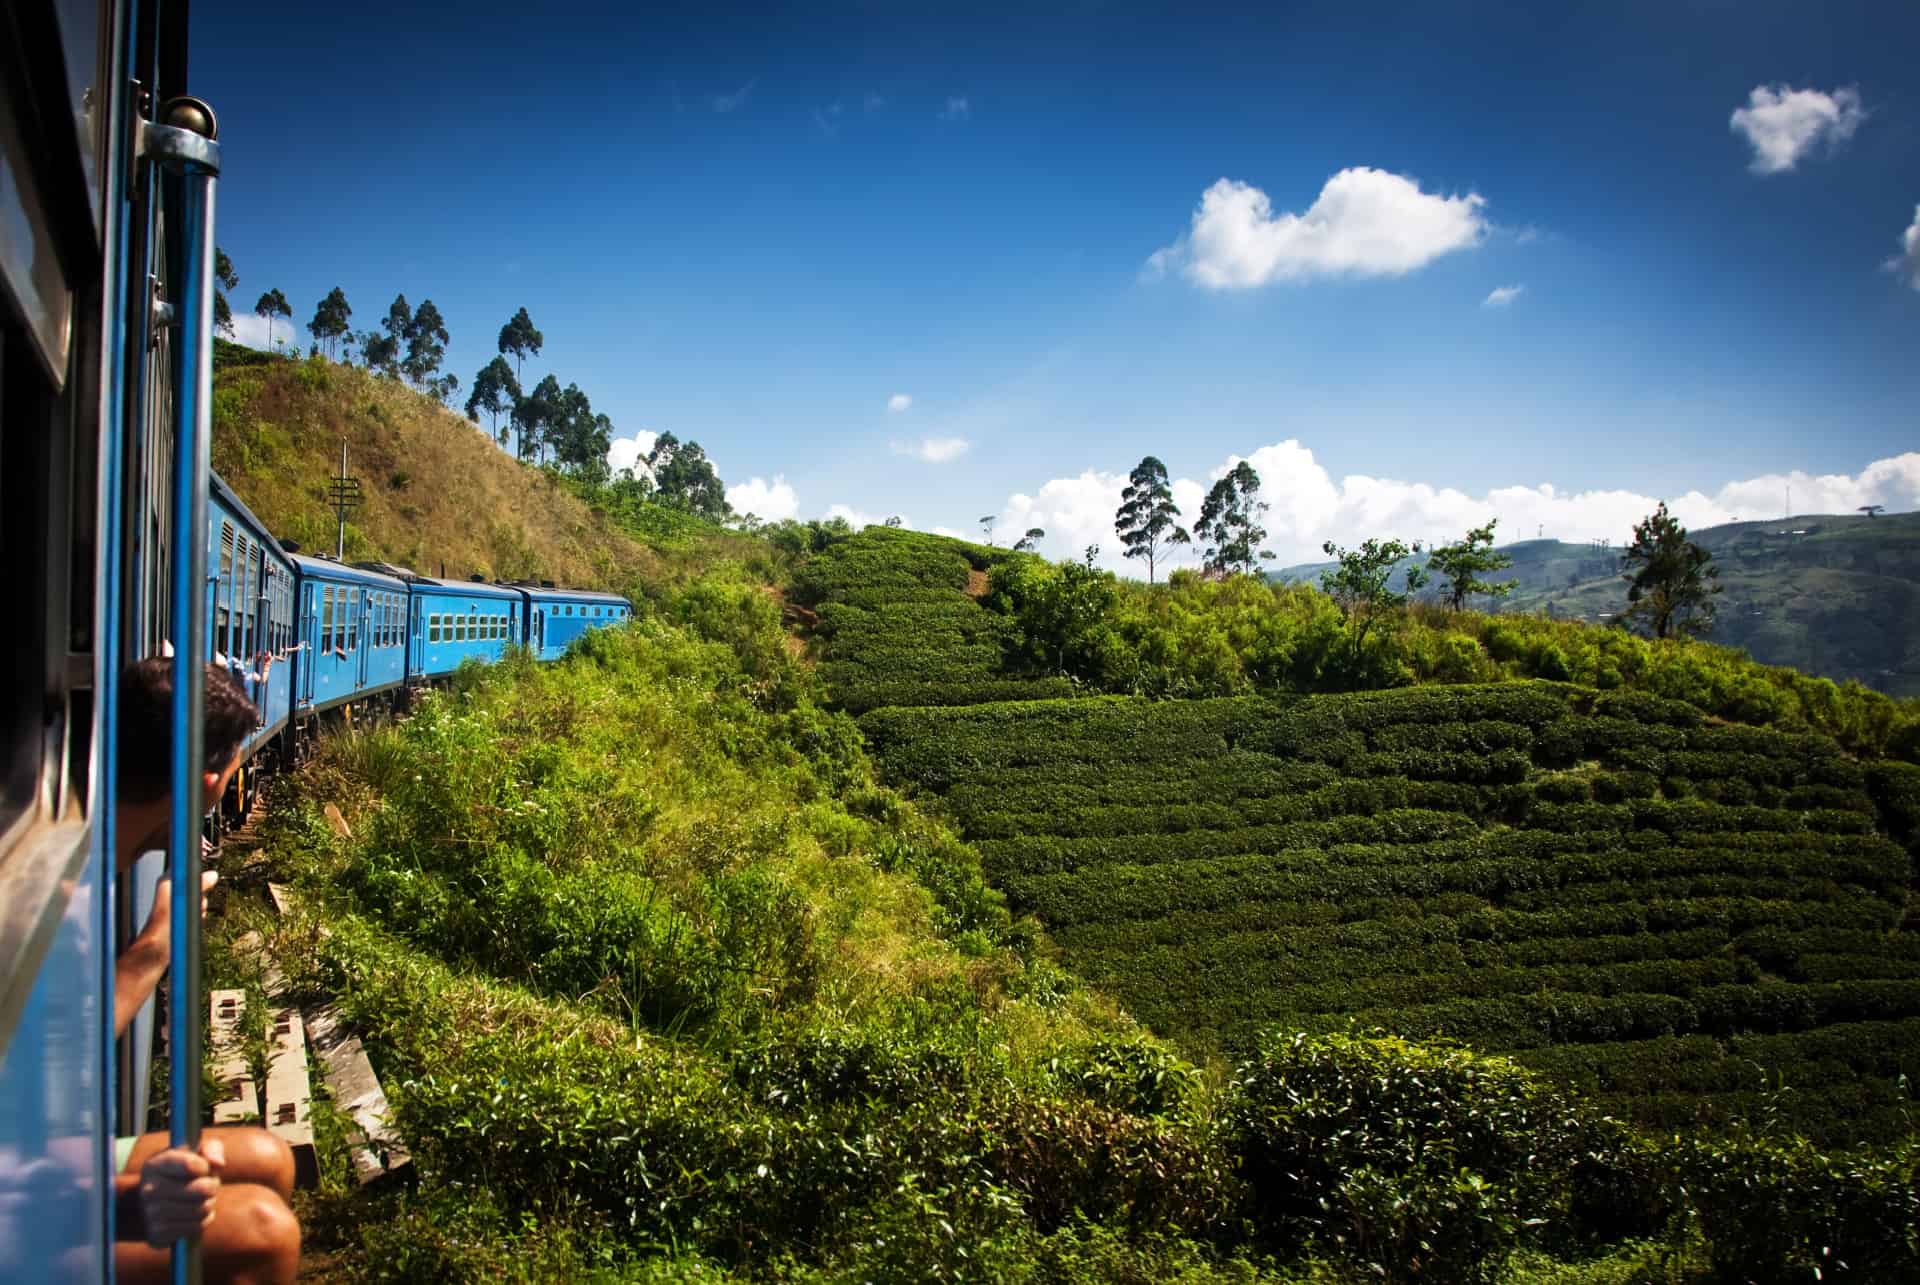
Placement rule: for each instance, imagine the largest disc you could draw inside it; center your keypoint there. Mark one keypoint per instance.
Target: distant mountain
(1830, 594)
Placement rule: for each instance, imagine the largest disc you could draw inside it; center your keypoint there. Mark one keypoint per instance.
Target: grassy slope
(438, 492)
(1842, 600)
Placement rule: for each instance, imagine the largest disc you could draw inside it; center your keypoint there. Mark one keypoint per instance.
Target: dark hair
(146, 726)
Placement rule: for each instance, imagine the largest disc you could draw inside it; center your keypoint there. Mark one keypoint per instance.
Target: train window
(473, 626)
(353, 622)
(433, 628)
(326, 617)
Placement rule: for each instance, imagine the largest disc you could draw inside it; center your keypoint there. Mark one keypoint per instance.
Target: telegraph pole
(344, 491)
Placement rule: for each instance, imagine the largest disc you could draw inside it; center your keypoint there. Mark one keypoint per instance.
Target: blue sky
(755, 228)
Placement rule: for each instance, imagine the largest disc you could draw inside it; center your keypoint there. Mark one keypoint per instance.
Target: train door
(314, 641)
(539, 640)
(363, 638)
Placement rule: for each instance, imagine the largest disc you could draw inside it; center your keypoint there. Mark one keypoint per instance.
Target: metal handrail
(185, 146)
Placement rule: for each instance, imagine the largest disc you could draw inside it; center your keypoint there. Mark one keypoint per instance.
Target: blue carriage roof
(548, 593)
(463, 588)
(328, 569)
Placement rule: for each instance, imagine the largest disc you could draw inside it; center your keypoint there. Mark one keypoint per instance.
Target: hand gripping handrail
(183, 144)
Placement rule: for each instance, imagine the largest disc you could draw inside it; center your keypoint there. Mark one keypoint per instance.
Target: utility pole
(344, 491)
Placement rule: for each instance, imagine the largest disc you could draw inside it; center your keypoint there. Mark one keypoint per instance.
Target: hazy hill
(439, 495)
(1832, 594)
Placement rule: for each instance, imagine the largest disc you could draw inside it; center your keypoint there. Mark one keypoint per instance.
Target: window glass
(353, 622)
(326, 617)
(433, 628)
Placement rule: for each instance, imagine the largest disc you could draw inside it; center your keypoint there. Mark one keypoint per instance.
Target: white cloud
(899, 402)
(1364, 223)
(957, 108)
(1502, 296)
(860, 518)
(934, 450)
(725, 103)
(1783, 124)
(1907, 262)
(773, 501)
(1309, 507)
(251, 329)
(631, 453)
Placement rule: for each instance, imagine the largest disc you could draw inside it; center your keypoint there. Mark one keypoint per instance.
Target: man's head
(146, 740)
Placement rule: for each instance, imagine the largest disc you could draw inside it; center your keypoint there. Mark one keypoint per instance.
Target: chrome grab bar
(184, 146)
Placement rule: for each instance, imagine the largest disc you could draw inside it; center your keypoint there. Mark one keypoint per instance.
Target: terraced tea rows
(1693, 922)
(900, 627)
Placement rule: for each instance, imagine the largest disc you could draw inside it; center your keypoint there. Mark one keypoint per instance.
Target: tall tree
(385, 352)
(273, 304)
(580, 437)
(224, 279)
(495, 390)
(534, 418)
(1230, 523)
(986, 525)
(445, 387)
(1148, 521)
(1672, 581)
(1030, 541)
(426, 336)
(329, 325)
(1465, 561)
(1363, 582)
(519, 340)
(685, 478)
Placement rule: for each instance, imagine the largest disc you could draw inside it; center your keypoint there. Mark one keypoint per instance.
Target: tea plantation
(1692, 921)
(900, 627)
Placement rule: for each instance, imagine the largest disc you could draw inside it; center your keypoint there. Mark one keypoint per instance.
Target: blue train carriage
(250, 614)
(555, 617)
(352, 636)
(452, 620)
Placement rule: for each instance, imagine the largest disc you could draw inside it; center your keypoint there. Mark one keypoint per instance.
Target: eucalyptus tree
(1148, 520)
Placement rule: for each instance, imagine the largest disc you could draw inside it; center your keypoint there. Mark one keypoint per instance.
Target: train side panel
(451, 621)
(250, 602)
(555, 617)
(352, 635)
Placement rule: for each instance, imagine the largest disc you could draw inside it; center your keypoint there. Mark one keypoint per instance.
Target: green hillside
(1830, 594)
(1674, 912)
(439, 495)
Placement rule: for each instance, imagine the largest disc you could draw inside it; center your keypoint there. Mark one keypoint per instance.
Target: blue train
(306, 635)
(119, 543)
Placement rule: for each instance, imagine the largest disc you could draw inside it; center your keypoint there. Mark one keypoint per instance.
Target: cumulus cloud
(899, 402)
(631, 453)
(1364, 223)
(956, 109)
(725, 103)
(934, 450)
(1501, 296)
(1783, 124)
(251, 329)
(1907, 262)
(1308, 506)
(773, 501)
(860, 518)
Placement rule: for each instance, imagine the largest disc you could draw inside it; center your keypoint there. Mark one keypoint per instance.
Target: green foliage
(495, 391)
(330, 321)
(425, 334)
(224, 280)
(520, 340)
(1230, 523)
(684, 478)
(1672, 581)
(1060, 615)
(270, 305)
(1464, 562)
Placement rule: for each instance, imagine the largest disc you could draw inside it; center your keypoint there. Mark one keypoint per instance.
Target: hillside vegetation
(1679, 914)
(665, 986)
(1837, 595)
(438, 493)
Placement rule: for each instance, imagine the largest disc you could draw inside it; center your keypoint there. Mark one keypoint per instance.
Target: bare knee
(254, 1238)
(257, 1156)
